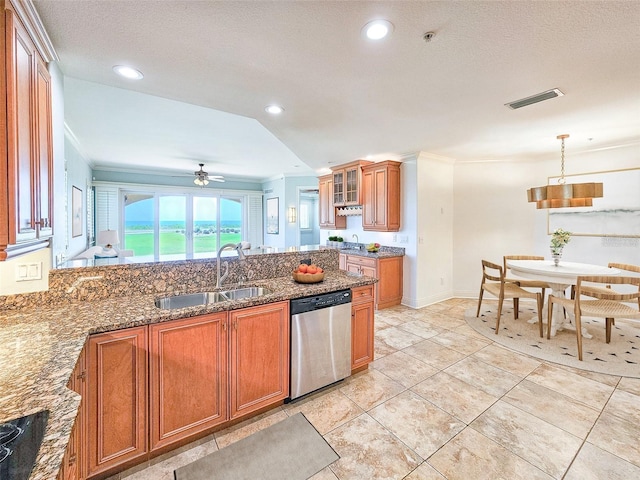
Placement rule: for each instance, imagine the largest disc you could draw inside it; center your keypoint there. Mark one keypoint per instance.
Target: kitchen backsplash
(95, 283)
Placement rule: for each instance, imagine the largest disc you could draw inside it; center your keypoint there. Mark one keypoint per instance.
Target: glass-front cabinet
(347, 181)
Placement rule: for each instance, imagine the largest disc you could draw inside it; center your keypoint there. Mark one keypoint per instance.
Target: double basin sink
(205, 298)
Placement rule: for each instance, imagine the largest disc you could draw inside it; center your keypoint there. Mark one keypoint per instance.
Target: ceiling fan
(203, 178)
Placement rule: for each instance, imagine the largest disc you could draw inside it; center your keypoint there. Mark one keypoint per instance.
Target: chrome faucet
(358, 246)
(237, 247)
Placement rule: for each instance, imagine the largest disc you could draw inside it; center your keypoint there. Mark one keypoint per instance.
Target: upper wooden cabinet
(328, 218)
(347, 181)
(26, 204)
(381, 196)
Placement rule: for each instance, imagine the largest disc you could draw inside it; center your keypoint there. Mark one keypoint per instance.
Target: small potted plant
(559, 239)
(335, 241)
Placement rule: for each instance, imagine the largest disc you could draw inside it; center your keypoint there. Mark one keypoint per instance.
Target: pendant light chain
(562, 180)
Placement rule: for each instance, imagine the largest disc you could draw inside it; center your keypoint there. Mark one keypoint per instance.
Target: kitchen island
(42, 335)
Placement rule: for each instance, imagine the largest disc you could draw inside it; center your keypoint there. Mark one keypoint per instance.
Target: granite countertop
(348, 247)
(40, 347)
(364, 253)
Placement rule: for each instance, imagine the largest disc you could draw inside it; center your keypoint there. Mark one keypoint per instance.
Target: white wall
(434, 277)
(492, 217)
(78, 175)
(8, 271)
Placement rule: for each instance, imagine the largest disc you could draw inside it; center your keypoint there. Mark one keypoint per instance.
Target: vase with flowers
(559, 239)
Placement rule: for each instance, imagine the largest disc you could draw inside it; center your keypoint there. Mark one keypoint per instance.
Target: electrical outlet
(395, 238)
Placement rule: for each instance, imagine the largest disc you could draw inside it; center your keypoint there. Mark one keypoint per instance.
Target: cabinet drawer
(362, 294)
(363, 261)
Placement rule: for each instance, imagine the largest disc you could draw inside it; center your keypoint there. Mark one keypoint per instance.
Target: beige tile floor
(443, 402)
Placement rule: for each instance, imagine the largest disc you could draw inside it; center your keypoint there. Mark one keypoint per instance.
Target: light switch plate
(28, 271)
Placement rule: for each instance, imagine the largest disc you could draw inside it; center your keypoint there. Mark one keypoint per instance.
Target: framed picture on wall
(76, 211)
(273, 220)
(616, 214)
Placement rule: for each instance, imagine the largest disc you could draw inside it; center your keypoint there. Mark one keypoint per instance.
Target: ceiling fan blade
(216, 179)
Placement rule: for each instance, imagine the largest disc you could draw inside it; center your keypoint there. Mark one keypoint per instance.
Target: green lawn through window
(174, 242)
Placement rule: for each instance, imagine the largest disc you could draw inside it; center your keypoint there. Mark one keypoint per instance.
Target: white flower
(559, 239)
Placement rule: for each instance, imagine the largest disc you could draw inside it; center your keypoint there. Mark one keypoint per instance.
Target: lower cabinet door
(362, 334)
(117, 398)
(259, 357)
(188, 377)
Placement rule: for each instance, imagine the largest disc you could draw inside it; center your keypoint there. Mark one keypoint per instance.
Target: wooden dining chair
(493, 281)
(620, 266)
(522, 282)
(601, 296)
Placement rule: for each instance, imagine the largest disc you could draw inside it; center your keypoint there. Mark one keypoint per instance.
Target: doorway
(308, 222)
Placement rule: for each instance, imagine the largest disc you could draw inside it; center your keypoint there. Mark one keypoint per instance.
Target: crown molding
(28, 15)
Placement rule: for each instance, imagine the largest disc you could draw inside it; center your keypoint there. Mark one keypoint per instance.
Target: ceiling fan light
(201, 182)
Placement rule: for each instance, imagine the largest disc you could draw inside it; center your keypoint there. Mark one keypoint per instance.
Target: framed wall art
(76, 212)
(616, 214)
(273, 218)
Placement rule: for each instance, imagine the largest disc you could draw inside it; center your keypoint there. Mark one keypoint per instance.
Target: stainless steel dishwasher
(320, 341)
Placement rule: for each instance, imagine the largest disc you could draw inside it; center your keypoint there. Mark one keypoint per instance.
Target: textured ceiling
(211, 66)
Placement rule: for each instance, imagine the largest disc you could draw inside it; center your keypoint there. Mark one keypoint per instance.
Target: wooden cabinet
(390, 281)
(73, 465)
(27, 158)
(388, 271)
(259, 357)
(362, 327)
(202, 372)
(188, 377)
(116, 398)
(362, 265)
(346, 183)
(381, 196)
(328, 218)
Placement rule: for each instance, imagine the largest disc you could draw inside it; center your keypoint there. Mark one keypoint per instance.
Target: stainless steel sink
(204, 298)
(190, 300)
(246, 292)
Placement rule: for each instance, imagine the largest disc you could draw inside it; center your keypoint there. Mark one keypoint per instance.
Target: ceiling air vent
(538, 97)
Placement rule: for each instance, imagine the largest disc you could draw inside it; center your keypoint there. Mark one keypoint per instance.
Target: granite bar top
(40, 346)
(348, 247)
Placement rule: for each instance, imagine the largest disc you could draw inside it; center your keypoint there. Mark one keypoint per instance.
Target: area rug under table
(620, 357)
(291, 449)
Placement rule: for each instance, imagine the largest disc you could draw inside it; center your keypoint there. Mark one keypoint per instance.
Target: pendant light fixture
(563, 194)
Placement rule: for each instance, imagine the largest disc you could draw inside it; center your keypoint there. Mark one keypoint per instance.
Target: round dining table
(559, 277)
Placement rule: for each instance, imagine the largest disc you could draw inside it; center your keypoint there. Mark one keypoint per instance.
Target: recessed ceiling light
(274, 109)
(128, 72)
(377, 29)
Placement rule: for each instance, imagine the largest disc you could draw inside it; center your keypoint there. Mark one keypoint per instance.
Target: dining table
(559, 277)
